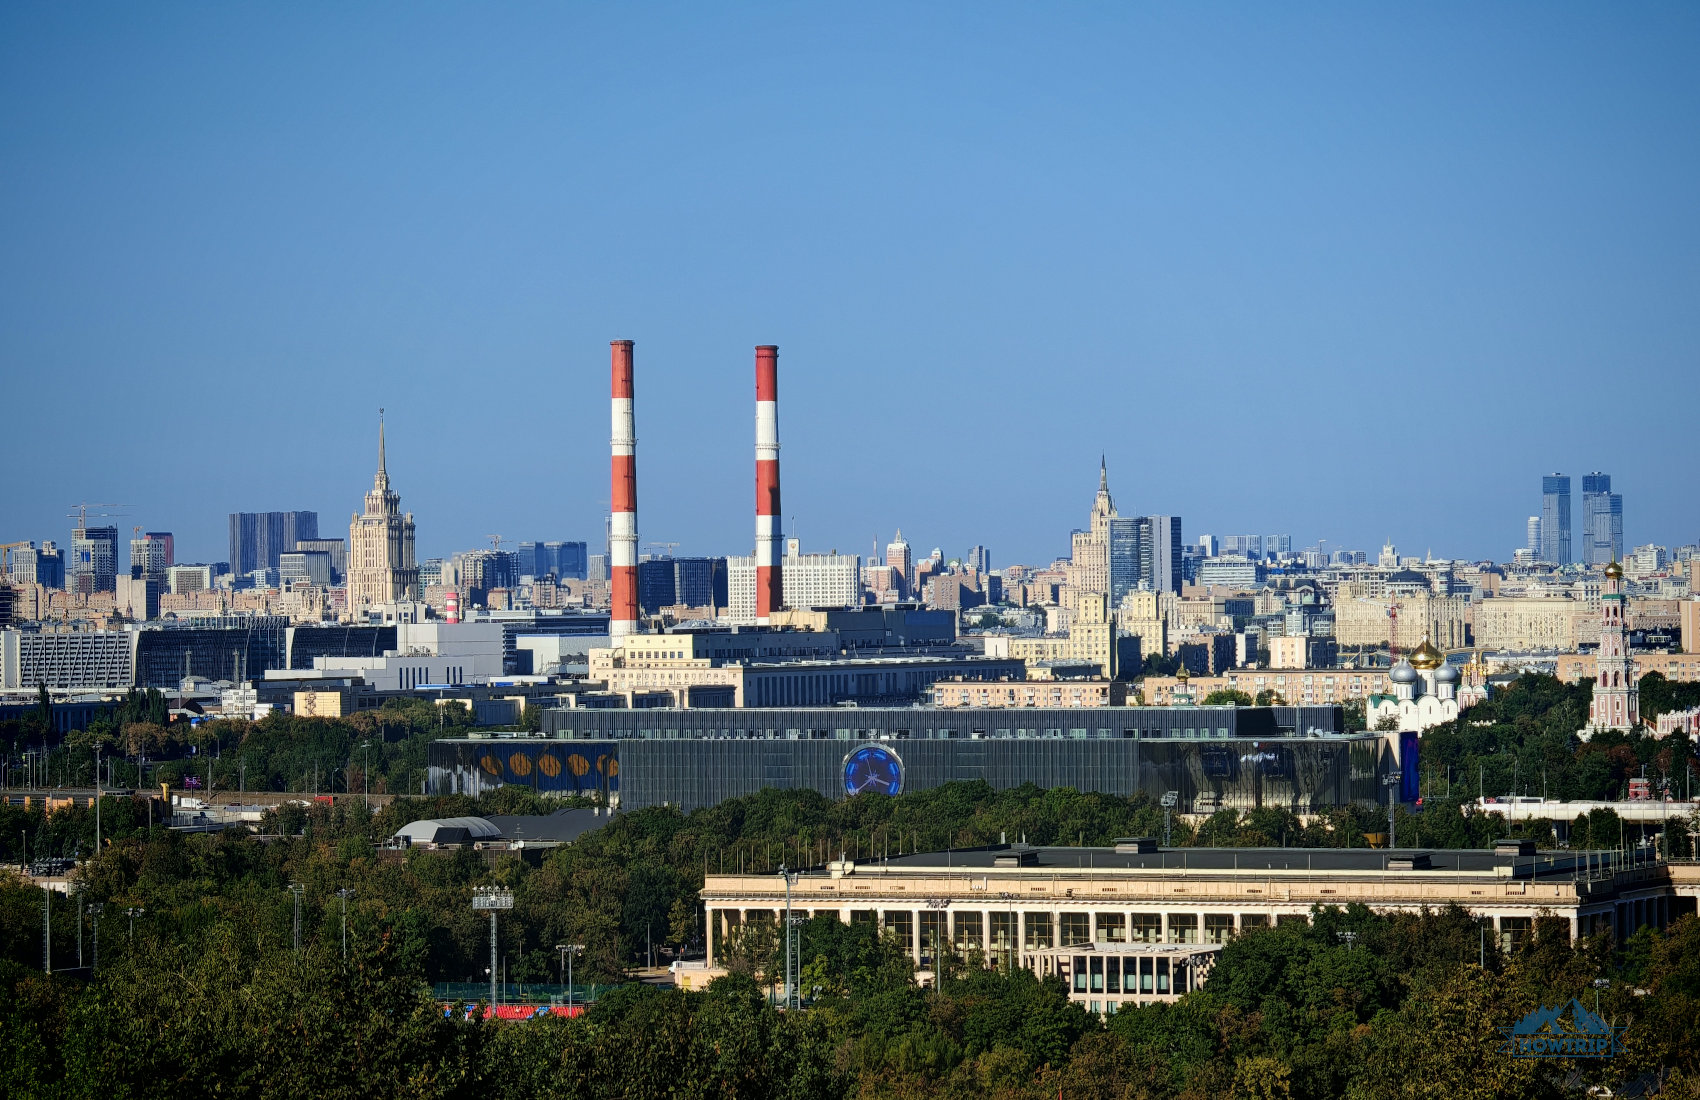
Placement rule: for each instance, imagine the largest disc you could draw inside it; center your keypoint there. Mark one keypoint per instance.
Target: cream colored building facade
(1364, 621)
(1091, 637)
(1016, 905)
(1299, 687)
(1030, 693)
(381, 565)
(1529, 623)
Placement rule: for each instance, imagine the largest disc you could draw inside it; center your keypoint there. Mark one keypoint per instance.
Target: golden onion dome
(1426, 657)
(1614, 571)
(1182, 675)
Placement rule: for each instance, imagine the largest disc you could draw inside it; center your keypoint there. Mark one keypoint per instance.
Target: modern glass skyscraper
(1160, 553)
(1555, 519)
(1533, 541)
(1602, 520)
(1125, 556)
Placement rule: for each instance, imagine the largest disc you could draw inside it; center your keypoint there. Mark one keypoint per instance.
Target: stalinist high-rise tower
(381, 568)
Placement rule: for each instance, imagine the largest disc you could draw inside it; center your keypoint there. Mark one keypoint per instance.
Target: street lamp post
(366, 775)
(1391, 782)
(494, 899)
(95, 909)
(133, 912)
(295, 889)
(569, 952)
(790, 935)
(345, 893)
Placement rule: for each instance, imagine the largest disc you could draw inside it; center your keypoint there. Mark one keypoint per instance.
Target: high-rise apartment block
(681, 582)
(1532, 536)
(43, 565)
(1602, 520)
(980, 559)
(1160, 553)
(902, 561)
(94, 560)
(150, 555)
(259, 539)
(1277, 546)
(812, 582)
(381, 567)
(1555, 519)
(562, 560)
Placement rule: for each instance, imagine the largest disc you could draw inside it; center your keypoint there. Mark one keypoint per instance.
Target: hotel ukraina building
(1135, 923)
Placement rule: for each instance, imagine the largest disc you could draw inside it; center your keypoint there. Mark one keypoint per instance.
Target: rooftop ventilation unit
(1136, 845)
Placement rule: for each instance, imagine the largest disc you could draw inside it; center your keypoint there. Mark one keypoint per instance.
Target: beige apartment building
(1030, 693)
(1683, 667)
(1091, 638)
(1141, 616)
(1364, 621)
(1529, 623)
(1299, 687)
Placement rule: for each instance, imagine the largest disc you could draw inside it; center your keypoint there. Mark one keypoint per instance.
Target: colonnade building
(1082, 912)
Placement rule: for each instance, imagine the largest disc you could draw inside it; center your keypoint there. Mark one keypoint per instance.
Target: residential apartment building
(1306, 687)
(809, 581)
(1093, 692)
(1528, 623)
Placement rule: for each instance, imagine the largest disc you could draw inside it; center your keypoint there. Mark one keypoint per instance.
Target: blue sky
(1349, 271)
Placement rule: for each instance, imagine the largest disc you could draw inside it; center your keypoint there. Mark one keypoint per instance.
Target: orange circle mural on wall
(519, 764)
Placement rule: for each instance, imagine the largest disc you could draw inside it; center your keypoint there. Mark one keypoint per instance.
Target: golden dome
(1614, 570)
(1182, 675)
(1426, 657)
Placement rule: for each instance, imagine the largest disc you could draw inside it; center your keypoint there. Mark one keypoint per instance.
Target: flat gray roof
(1206, 860)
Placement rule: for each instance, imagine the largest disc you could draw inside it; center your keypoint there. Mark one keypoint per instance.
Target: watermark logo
(1543, 1033)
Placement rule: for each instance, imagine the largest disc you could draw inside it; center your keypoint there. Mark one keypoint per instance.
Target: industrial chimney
(622, 495)
(770, 585)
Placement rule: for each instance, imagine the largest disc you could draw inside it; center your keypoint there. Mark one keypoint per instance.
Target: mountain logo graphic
(1543, 1033)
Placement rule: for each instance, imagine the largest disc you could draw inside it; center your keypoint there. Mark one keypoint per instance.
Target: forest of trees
(198, 988)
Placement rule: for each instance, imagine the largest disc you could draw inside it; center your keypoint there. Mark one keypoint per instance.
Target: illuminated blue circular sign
(873, 768)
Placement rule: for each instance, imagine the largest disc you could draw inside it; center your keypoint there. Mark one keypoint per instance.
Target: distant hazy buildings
(1555, 519)
(681, 582)
(381, 567)
(259, 539)
(563, 560)
(1532, 537)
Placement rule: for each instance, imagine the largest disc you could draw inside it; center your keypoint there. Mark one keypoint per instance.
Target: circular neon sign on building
(873, 768)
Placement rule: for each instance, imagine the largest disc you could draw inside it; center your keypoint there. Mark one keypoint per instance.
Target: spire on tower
(381, 481)
(1103, 475)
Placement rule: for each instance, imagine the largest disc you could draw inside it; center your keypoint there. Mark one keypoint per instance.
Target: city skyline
(1082, 237)
(191, 535)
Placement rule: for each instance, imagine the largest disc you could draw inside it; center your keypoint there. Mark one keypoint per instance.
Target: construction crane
(81, 515)
(495, 542)
(667, 546)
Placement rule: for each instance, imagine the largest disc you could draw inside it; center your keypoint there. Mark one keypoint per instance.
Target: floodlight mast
(494, 899)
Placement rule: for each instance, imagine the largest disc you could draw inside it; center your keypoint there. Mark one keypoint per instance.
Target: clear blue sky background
(1349, 271)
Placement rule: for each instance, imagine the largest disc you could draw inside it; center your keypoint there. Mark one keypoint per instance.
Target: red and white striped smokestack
(770, 584)
(622, 496)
